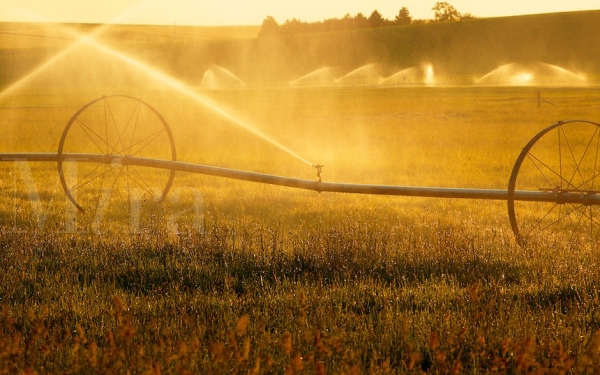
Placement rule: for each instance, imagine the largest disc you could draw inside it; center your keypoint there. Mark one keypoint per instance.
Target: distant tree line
(443, 12)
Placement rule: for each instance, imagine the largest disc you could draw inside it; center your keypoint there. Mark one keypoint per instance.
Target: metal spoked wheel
(111, 128)
(563, 161)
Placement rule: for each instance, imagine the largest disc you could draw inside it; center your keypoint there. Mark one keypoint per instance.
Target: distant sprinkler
(522, 79)
(318, 167)
(429, 75)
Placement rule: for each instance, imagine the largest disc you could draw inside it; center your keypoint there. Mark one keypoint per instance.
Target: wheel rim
(115, 126)
(561, 159)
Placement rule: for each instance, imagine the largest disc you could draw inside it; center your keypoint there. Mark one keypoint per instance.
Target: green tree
(403, 17)
(269, 27)
(443, 12)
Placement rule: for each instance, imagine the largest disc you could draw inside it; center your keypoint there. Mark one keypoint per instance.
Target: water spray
(158, 76)
(579, 199)
(180, 86)
(79, 40)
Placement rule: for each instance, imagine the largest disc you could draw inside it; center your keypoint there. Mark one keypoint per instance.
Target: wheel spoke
(81, 183)
(539, 222)
(106, 167)
(118, 141)
(119, 129)
(560, 164)
(577, 170)
(84, 127)
(568, 214)
(145, 186)
(593, 221)
(150, 138)
(589, 216)
(106, 127)
(115, 183)
(532, 157)
(137, 118)
(594, 174)
(585, 152)
(135, 110)
(595, 161)
(586, 181)
(576, 225)
(158, 133)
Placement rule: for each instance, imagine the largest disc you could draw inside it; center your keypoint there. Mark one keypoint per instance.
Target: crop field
(226, 276)
(276, 278)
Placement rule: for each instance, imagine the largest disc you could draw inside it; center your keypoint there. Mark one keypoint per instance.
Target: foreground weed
(430, 297)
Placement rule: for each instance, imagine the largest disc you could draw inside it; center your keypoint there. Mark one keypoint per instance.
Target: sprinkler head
(318, 167)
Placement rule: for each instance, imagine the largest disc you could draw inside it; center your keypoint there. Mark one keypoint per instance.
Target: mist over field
(115, 262)
(471, 47)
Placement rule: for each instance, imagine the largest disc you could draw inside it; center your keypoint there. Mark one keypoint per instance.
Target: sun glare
(375, 193)
(429, 79)
(522, 78)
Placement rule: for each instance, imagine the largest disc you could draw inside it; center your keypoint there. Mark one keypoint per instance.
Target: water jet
(560, 191)
(318, 77)
(157, 76)
(217, 77)
(414, 75)
(531, 74)
(429, 76)
(404, 77)
(79, 41)
(365, 75)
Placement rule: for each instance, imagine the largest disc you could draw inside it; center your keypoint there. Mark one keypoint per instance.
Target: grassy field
(233, 277)
(280, 279)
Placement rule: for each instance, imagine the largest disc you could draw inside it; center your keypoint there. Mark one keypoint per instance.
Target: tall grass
(283, 281)
(350, 298)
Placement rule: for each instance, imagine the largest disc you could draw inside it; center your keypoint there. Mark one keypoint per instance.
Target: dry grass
(348, 299)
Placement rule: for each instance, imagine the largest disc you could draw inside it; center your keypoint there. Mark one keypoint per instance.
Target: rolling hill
(471, 47)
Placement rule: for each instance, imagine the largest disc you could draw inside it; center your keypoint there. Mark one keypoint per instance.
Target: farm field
(279, 278)
(227, 276)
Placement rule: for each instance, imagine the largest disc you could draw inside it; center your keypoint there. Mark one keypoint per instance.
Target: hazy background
(234, 12)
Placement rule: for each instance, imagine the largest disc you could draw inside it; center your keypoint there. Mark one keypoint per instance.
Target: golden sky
(243, 12)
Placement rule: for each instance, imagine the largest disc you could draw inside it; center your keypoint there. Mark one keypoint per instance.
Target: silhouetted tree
(376, 19)
(346, 23)
(360, 21)
(269, 27)
(443, 12)
(293, 27)
(403, 17)
(467, 16)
